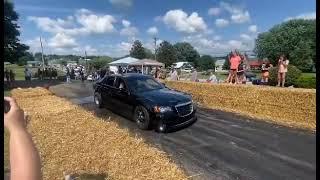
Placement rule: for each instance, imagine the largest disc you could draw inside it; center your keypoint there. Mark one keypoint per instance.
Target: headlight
(161, 109)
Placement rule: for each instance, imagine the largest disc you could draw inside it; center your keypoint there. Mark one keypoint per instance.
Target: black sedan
(145, 100)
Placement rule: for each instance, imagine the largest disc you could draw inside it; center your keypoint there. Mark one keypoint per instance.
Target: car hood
(165, 97)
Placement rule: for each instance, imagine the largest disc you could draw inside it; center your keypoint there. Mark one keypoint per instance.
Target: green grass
(309, 74)
(19, 71)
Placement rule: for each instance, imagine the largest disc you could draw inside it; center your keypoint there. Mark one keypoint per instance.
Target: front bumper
(172, 119)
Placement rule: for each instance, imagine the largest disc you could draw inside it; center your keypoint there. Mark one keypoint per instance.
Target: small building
(219, 64)
(33, 63)
(255, 64)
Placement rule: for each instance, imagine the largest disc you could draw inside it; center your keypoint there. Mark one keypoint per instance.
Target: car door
(107, 85)
(122, 98)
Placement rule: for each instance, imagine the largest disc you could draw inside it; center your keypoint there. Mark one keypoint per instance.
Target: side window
(120, 84)
(109, 81)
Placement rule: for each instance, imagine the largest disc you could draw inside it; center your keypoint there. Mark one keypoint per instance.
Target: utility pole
(155, 48)
(42, 54)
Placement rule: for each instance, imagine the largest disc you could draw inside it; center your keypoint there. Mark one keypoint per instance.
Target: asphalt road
(222, 145)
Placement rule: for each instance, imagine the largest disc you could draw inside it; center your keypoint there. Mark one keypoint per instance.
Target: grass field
(19, 71)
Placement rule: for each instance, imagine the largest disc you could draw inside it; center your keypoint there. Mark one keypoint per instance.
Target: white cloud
(222, 22)
(241, 17)
(126, 23)
(217, 38)
(245, 37)
(122, 3)
(62, 40)
(214, 11)
(306, 16)
(94, 23)
(157, 18)
(84, 22)
(152, 31)
(61, 44)
(253, 28)
(129, 31)
(238, 15)
(214, 46)
(181, 22)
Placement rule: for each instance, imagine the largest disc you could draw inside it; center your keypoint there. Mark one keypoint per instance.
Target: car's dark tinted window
(120, 84)
(143, 84)
(109, 81)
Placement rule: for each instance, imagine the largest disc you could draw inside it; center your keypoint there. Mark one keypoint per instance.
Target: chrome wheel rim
(140, 116)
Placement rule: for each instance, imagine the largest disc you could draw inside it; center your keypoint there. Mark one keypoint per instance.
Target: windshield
(144, 84)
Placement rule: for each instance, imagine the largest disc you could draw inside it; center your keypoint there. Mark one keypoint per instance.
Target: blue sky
(108, 27)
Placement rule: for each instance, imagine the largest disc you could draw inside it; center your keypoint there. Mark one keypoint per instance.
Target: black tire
(142, 118)
(98, 100)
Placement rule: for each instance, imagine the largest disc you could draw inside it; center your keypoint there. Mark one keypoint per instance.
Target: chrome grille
(184, 109)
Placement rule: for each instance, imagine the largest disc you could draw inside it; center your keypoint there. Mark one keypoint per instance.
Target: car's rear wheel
(142, 118)
(98, 100)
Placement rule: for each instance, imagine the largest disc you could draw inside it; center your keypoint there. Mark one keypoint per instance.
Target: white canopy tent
(123, 62)
(147, 62)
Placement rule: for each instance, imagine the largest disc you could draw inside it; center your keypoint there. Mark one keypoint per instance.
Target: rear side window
(109, 81)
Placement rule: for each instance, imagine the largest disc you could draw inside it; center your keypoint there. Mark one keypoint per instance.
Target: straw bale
(72, 140)
(290, 107)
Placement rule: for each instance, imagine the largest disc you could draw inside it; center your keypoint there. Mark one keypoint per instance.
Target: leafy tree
(149, 54)
(206, 62)
(100, 62)
(166, 53)
(186, 52)
(24, 59)
(13, 49)
(63, 62)
(137, 50)
(226, 64)
(38, 56)
(295, 38)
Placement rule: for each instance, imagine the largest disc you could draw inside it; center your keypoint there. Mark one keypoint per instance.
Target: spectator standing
(68, 75)
(120, 71)
(194, 75)
(81, 75)
(234, 64)
(241, 70)
(174, 75)
(283, 63)
(11, 77)
(265, 73)
(26, 74)
(7, 76)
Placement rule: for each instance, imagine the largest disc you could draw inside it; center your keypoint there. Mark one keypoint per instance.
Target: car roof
(130, 75)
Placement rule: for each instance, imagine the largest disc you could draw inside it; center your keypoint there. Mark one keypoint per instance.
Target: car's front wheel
(98, 100)
(142, 118)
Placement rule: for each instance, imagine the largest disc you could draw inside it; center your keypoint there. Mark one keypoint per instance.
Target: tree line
(169, 54)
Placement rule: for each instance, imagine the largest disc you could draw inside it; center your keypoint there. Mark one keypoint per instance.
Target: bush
(291, 77)
(306, 82)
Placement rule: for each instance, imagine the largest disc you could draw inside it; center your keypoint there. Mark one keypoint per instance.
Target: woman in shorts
(283, 63)
(234, 64)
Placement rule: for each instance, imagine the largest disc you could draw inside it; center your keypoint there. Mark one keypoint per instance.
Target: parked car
(145, 100)
(90, 78)
(250, 76)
